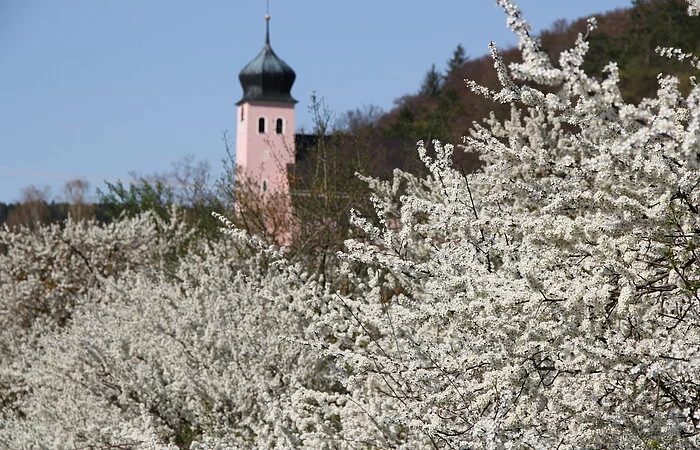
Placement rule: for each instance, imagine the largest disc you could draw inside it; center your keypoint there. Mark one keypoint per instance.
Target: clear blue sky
(96, 89)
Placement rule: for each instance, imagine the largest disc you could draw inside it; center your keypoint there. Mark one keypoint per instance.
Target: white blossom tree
(46, 272)
(549, 300)
(206, 350)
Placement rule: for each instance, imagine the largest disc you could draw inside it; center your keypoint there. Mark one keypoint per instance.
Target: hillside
(628, 36)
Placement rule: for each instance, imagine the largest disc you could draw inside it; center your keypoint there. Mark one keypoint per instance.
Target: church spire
(267, 77)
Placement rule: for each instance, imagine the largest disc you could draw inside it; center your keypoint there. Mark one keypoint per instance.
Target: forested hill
(444, 108)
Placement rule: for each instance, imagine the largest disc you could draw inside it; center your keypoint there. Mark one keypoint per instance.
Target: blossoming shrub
(46, 272)
(196, 350)
(549, 300)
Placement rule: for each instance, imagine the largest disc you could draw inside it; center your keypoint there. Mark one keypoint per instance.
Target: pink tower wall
(264, 156)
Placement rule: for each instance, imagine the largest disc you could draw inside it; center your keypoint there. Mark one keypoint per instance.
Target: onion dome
(267, 77)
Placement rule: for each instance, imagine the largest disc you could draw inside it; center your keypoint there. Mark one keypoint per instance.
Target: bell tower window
(261, 125)
(279, 126)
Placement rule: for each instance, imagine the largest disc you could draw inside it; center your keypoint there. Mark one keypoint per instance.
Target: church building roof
(267, 77)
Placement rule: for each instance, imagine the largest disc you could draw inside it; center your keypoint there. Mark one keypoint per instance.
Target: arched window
(264, 186)
(242, 116)
(261, 125)
(279, 126)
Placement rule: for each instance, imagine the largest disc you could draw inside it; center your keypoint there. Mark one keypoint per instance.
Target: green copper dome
(267, 77)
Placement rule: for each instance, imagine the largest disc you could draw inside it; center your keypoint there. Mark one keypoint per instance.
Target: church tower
(265, 118)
